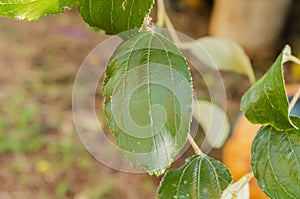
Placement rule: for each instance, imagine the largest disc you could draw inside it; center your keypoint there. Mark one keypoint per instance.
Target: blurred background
(40, 153)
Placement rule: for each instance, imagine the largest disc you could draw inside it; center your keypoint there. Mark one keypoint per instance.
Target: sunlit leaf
(239, 189)
(112, 16)
(276, 161)
(115, 16)
(222, 54)
(33, 9)
(200, 178)
(148, 99)
(214, 122)
(266, 101)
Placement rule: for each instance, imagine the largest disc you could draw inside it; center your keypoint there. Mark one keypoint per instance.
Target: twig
(294, 59)
(163, 18)
(294, 100)
(195, 146)
(160, 13)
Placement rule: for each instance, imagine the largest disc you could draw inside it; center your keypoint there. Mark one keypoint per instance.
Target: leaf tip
(286, 53)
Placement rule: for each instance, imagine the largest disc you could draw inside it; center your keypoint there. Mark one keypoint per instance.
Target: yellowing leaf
(239, 189)
(214, 122)
(222, 54)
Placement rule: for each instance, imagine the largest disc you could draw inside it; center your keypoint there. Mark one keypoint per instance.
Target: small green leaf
(214, 122)
(266, 101)
(276, 161)
(115, 16)
(148, 99)
(222, 54)
(33, 9)
(200, 178)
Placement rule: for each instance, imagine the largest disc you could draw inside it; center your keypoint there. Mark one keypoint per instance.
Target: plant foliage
(148, 102)
(112, 16)
(200, 177)
(148, 111)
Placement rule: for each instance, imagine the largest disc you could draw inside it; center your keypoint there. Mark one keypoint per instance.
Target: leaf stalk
(195, 146)
(163, 18)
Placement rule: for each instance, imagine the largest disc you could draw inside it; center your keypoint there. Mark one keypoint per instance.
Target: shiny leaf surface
(33, 9)
(148, 99)
(266, 101)
(115, 16)
(276, 161)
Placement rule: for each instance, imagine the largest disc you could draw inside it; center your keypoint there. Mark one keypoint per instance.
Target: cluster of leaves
(161, 105)
(112, 16)
(276, 147)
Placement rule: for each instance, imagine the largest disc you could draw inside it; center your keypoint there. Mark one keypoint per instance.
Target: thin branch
(294, 100)
(195, 146)
(294, 59)
(163, 18)
(160, 13)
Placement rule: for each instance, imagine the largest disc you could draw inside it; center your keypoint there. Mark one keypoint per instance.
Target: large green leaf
(276, 161)
(115, 16)
(148, 99)
(266, 101)
(200, 178)
(33, 9)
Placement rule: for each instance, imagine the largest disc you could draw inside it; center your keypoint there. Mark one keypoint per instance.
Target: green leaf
(222, 54)
(276, 161)
(148, 99)
(200, 178)
(207, 113)
(33, 9)
(115, 16)
(266, 101)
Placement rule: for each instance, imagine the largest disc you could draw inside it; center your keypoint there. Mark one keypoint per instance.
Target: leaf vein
(271, 166)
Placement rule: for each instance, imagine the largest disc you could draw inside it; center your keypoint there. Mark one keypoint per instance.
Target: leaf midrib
(174, 100)
(216, 175)
(182, 174)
